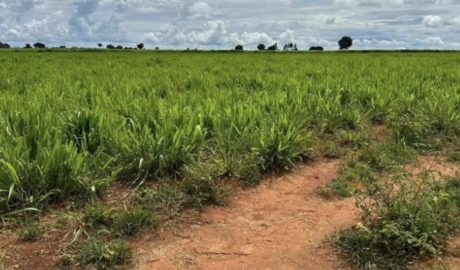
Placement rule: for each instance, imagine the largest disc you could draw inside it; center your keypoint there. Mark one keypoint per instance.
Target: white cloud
(431, 21)
(383, 3)
(226, 23)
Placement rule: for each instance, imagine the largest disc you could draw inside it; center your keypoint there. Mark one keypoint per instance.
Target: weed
(97, 215)
(104, 255)
(31, 231)
(401, 221)
(131, 221)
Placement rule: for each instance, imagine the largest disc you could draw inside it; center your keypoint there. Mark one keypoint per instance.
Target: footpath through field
(282, 224)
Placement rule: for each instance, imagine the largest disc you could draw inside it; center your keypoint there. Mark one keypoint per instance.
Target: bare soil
(282, 224)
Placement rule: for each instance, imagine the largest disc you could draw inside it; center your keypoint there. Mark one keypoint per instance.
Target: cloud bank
(222, 24)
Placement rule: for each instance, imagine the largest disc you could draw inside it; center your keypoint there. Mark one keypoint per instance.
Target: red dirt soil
(282, 224)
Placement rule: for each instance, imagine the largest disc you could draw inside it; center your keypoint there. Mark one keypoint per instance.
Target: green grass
(146, 115)
(104, 255)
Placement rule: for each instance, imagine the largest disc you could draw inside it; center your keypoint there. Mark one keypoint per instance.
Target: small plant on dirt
(95, 216)
(387, 157)
(104, 255)
(338, 188)
(202, 182)
(249, 169)
(454, 156)
(31, 231)
(402, 220)
(345, 184)
(331, 150)
(166, 200)
(353, 139)
(131, 222)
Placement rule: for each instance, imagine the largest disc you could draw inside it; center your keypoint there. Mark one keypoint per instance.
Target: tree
(290, 47)
(316, 48)
(4, 45)
(345, 43)
(140, 46)
(62, 47)
(119, 47)
(28, 46)
(261, 47)
(157, 48)
(39, 45)
(110, 47)
(239, 48)
(100, 45)
(274, 47)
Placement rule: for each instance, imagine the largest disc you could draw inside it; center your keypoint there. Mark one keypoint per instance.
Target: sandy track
(282, 224)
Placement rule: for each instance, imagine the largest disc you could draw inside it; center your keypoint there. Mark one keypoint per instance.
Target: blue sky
(212, 24)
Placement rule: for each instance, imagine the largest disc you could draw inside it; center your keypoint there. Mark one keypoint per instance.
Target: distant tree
(290, 47)
(140, 46)
(28, 46)
(316, 48)
(119, 47)
(110, 47)
(4, 45)
(345, 43)
(295, 47)
(274, 47)
(261, 47)
(62, 47)
(157, 48)
(100, 45)
(239, 48)
(39, 45)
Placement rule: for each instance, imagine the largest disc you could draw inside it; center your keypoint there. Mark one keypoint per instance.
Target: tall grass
(70, 123)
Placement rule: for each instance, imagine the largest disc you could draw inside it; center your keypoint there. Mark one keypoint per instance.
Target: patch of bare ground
(282, 224)
(438, 166)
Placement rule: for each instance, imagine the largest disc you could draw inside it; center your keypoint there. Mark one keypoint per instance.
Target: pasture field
(174, 126)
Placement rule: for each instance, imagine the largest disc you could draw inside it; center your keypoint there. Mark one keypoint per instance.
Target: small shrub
(31, 231)
(338, 188)
(202, 182)
(97, 215)
(454, 156)
(401, 221)
(131, 222)
(331, 151)
(387, 156)
(167, 200)
(104, 255)
(353, 139)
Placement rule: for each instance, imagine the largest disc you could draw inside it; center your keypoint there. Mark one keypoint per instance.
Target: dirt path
(280, 225)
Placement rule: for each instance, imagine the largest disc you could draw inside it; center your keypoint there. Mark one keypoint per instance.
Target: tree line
(344, 44)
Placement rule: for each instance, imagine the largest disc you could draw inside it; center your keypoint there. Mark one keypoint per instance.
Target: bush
(104, 255)
(386, 157)
(401, 221)
(97, 215)
(31, 231)
(202, 182)
(331, 150)
(131, 222)
(316, 48)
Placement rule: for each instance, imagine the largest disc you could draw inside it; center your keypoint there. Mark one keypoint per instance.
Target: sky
(223, 24)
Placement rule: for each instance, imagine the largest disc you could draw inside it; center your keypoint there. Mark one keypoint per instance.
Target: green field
(71, 123)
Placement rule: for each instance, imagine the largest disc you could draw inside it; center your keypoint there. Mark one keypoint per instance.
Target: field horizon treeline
(344, 43)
